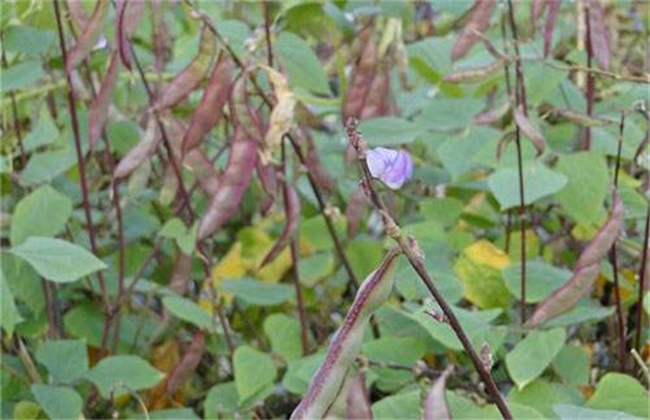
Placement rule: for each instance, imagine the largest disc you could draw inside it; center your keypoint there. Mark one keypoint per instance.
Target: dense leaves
(185, 229)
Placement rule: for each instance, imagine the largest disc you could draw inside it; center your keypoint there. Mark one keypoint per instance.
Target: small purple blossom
(392, 167)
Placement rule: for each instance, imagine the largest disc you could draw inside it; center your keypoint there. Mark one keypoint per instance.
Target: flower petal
(377, 160)
(399, 170)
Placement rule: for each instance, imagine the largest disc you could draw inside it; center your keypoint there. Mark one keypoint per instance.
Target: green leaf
(444, 114)
(10, 315)
(541, 279)
(541, 80)
(479, 269)
(44, 167)
(188, 311)
(539, 181)
(302, 64)
(185, 237)
(65, 360)
(255, 372)
(463, 152)
(364, 255)
(475, 323)
(401, 350)
(27, 40)
(588, 181)
(26, 410)
(119, 374)
(405, 405)
(168, 414)
(258, 292)
(284, 333)
(58, 402)
(300, 371)
(462, 408)
(583, 311)
(58, 260)
(21, 75)
(44, 212)
(315, 268)
(85, 321)
(533, 354)
(386, 131)
(437, 262)
(44, 133)
(173, 228)
(221, 401)
(619, 392)
(431, 57)
(572, 365)
(574, 412)
(541, 395)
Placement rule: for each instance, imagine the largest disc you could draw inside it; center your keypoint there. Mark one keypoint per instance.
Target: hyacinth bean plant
(193, 193)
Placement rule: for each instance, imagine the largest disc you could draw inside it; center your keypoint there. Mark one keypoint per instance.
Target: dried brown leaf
(529, 130)
(292, 216)
(187, 364)
(282, 116)
(536, 9)
(140, 152)
(129, 13)
(435, 403)
(475, 74)
(180, 277)
(357, 399)
(478, 22)
(101, 104)
(232, 185)
(553, 8)
(585, 272)
(204, 171)
(190, 77)
(354, 211)
(209, 111)
(598, 34)
(493, 115)
(89, 36)
(362, 76)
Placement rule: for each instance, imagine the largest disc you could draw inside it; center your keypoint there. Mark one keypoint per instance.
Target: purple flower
(392, 167)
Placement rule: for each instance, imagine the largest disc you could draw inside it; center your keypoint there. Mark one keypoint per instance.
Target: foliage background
(126, 314)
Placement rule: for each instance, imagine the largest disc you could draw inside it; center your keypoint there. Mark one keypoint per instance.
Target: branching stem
(410, 249)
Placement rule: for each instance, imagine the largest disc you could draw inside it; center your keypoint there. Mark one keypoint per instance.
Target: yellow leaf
(276, 269)
(479, 269)
(532, 244)
(584, 232)
(164, 358)
(485, 253)
(282, 116)
(232, 265)
(255, 244)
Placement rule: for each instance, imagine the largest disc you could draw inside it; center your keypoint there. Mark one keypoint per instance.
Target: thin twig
(410, 249)
(295, 257)
(26, 360)
(644, 367)
(72, 108)
(644, 270)
(267, 31)
(591, 82)
(520, 101)
(613, 255)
